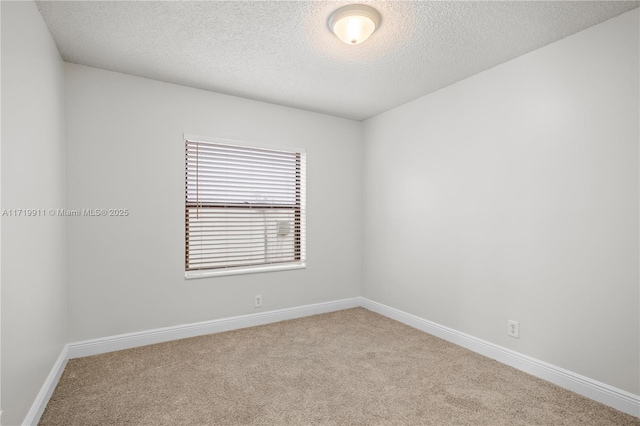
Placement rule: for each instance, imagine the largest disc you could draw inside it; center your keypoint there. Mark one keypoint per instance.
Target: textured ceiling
(282, 52)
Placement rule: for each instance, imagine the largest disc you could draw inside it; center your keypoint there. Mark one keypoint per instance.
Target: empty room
(320, 213)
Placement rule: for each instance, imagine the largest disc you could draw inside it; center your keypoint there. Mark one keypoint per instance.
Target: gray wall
(514, 195)
(125, 150)
(33, 248)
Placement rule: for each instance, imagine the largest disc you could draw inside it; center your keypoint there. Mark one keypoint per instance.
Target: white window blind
(244, 207)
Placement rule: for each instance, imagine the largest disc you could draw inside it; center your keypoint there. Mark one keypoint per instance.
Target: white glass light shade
(354, 24)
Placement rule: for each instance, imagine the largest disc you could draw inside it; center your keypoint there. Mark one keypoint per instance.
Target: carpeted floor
(351, 367)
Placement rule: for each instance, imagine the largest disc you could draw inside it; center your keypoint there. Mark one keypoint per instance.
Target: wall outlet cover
(513, 329)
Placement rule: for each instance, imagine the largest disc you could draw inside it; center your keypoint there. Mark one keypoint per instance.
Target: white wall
(33, 249)
(125, 150)
(514, 195)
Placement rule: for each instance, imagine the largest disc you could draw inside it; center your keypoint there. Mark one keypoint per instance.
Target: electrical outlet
(258, 301)
(513, 329)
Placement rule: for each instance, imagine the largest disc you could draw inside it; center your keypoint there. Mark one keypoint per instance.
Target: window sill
(190, 275)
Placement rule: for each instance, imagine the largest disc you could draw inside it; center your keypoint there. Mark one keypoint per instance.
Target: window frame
(258, 268)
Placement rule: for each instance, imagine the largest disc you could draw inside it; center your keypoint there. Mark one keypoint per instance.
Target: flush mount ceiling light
(354, 24)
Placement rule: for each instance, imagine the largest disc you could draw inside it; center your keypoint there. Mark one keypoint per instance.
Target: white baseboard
(603, 393)
(592, 389)
(159, 335)
(38, 406)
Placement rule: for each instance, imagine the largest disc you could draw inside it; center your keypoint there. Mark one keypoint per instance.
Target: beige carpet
(351, 367)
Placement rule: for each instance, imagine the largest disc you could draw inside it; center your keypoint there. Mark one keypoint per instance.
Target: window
(244, 208)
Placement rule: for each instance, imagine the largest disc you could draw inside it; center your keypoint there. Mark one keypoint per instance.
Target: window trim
(191, 275)
(241, 270)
